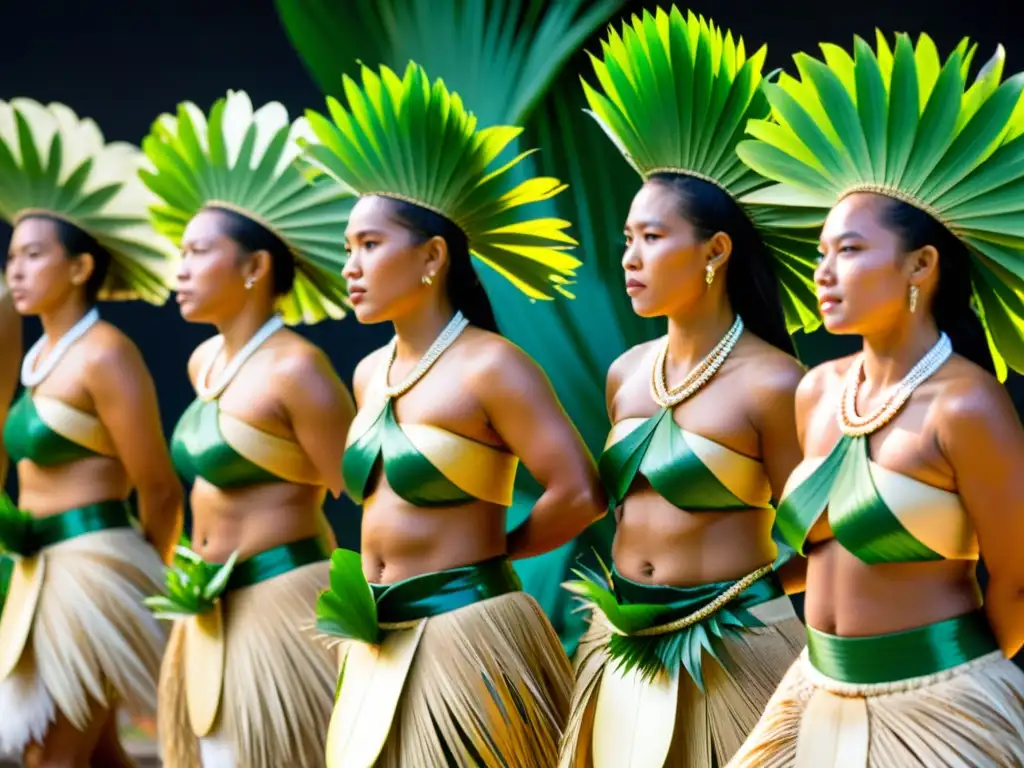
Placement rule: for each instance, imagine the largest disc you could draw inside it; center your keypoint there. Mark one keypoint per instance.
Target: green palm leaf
(192, 586)
(243, 160)
(348, 610)
(15, 527)
(919, 134)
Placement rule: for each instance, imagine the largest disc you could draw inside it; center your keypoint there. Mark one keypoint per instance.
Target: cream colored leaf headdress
(243, 160)
(56, 164)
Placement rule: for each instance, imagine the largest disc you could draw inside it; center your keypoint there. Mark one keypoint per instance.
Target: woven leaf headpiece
(675, 96)
(407, 139)
(56, 164)
(244, 161)
(897, 121)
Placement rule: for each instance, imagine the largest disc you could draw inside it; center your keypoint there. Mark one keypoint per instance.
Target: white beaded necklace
(207, 392)
(699, 376)
(451, 332)
(30, 375)
(856, 426)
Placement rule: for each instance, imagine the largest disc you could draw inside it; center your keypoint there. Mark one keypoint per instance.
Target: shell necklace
(699, 376)
(451, 332)
(203, 388)
(856, 426)
(32, 376)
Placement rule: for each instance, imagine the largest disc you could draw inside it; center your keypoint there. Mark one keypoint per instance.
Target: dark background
(123, 62)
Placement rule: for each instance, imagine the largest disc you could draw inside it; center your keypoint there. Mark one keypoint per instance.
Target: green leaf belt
(354, 609)
(275, 562)
(889, 658)
(25, 535)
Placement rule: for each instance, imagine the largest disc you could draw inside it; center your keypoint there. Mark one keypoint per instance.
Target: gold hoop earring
(427, 280)
(709, 274)
(914, 291)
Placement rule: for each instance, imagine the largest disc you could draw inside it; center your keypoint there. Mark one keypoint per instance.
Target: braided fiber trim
(897, 194)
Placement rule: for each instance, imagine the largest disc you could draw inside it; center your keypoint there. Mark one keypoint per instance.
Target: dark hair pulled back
(77, 242)
(253, 236)
(750, 281)
(951, 303)
(465, 291)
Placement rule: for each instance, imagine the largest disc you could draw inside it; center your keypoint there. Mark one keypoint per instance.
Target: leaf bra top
(425, 465)
(878, 515)
(689, 471)
(229, 453)
(49, 432)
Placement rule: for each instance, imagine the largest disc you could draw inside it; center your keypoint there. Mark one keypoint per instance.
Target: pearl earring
(709, 274)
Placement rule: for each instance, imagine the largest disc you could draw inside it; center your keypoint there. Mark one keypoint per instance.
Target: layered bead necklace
(31, 376)
(451, 332)
(698, 377)
(854, 425)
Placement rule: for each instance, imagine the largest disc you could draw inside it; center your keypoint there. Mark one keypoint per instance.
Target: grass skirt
(671, 722)
(277, 687)
(75, 633)
(970, 716)
(485, 685)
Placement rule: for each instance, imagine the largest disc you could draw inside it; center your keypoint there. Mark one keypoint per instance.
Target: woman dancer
(468, 668)
(913, 450)
(75, 641)
(691, 629)
(261, 444)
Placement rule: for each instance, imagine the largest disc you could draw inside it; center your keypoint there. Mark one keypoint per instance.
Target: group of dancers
(877, 191)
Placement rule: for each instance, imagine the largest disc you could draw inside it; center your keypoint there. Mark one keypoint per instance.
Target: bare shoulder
(295, 359)
(108, 350)
(768, 372)
(200, 355)
(487, 358)
(967, 397)
(365, 370)
(629, 361)
(822, 379)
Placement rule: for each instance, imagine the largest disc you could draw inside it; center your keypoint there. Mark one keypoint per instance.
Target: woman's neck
(238, 330)
(418, 330)
(63, 318)
(889, 355)
(692, 335)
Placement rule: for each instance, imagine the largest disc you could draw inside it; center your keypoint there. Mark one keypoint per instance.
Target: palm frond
(348, 610)
(192, 586)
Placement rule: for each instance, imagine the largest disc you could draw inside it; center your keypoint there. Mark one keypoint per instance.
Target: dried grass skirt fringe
(971, 716)
(91, 639)
(488, 686)
(278, 686)
(707, 728)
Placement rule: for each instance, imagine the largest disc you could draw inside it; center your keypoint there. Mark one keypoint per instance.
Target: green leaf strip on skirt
(659, 629)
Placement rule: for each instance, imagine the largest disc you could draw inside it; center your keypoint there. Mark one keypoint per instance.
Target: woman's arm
(10, 358)
(125, 398)
(523, 409)
(320, 409)
(774, 391)
(981, 436)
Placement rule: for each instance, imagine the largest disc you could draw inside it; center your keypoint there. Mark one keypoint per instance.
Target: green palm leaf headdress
(899, 122)
(56, 164)
(675, 96)
(411, 140)
(243, 161)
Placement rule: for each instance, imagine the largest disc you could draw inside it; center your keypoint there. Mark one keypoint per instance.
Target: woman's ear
(82, 267)
(719, 250)
(436, 251)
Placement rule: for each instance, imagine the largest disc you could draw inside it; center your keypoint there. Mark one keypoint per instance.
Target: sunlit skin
(102, 374)
(288, 388)
(958, 432)
(482, 387)
(747, 406)
(10, 343)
